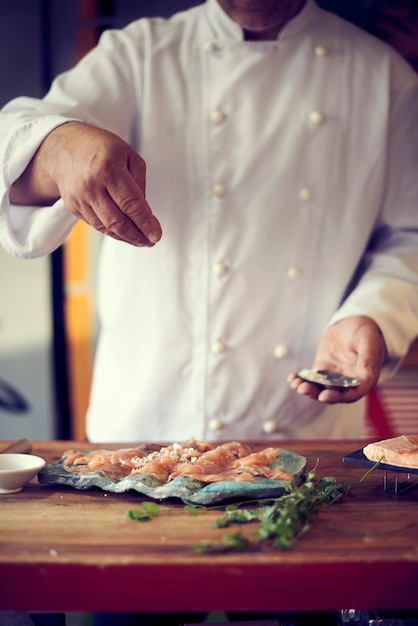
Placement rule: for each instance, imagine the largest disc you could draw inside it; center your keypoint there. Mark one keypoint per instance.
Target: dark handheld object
(327, 379)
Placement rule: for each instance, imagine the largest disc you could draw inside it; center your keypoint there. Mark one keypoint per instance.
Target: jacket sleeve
(386, 285)
(98, 91)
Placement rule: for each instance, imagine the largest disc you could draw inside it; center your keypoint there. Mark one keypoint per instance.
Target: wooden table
(68, 550)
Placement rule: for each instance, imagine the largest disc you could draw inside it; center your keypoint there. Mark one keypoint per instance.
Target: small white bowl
(18, 469)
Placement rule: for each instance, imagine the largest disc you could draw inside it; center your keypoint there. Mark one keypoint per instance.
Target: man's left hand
(354, 347)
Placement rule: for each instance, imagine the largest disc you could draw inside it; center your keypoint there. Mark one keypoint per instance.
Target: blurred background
(47, 306)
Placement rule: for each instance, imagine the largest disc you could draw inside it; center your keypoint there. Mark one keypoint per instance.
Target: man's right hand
(100, 178)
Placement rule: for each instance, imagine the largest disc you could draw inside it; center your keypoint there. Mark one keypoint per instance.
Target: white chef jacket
(281, 172)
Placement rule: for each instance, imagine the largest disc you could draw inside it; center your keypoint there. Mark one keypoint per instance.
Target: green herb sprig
(235, 542)
(280, 520)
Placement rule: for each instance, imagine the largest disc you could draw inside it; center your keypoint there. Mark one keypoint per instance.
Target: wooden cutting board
(77, 550)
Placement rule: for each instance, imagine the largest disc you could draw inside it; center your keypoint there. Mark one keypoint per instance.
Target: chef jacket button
(210, 46)
(215, 424)
(220, 269)
(280, 351)
(218, 347)
(293, 272)
(217, 117)
(219, 190)
(269, 426)
(321, 51)
(305, 194)
(316, 117)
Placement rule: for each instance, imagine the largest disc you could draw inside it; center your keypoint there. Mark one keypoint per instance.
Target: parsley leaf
(150, 510)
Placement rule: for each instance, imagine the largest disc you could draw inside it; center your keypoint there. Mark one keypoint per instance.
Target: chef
(252, 166)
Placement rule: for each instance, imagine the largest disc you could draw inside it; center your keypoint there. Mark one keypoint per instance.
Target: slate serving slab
(359, 458)
(183, 488)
